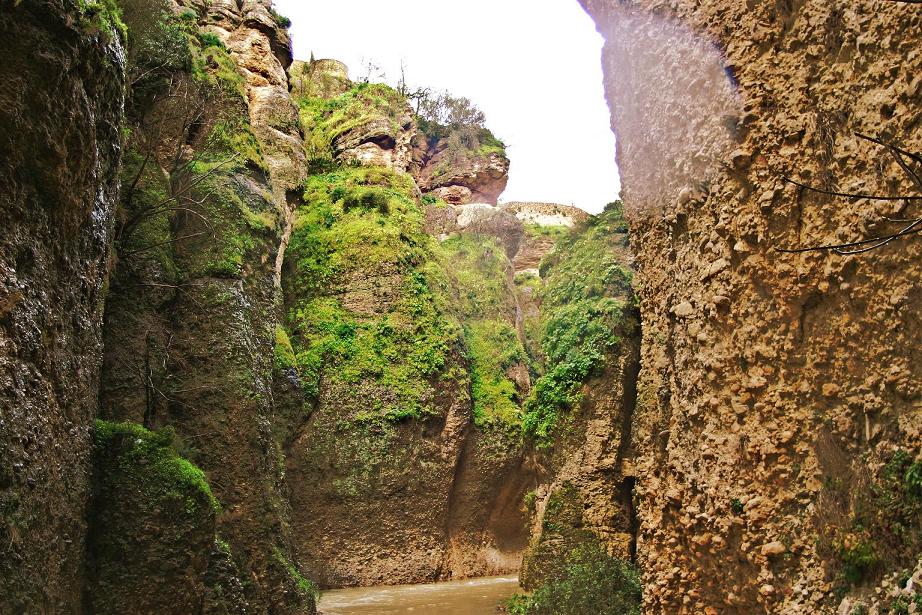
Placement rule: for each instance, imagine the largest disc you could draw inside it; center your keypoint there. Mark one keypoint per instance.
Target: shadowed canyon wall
(779, 393)
(60, 113)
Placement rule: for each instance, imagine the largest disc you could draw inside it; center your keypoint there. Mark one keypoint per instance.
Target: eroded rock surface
(195, 298)
(764, 375)
(458, 177)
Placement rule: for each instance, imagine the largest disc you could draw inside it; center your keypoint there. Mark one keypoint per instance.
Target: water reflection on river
(470, 597)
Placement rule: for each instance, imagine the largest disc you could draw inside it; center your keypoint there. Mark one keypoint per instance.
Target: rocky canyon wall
(60, 113)
(779, 393)
(213, 160)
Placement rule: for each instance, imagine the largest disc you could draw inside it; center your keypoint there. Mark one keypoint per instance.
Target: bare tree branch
(914, 226)
(850, 195)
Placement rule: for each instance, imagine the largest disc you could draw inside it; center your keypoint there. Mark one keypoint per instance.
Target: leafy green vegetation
(551, 232)
(138, 459)
(102, 16)
(363, 223)
(323, 120)
(494, 348)
(585, 313)
(456, 123)
(590, 582)
(284, 353)
(483, 299)
(177, 71)
(906, 605)
(872, 524)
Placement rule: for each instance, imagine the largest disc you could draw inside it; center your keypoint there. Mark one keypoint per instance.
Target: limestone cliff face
(392, 476)
(60, 112)
(773, 387)
(476, 177)
(543, 222)
(377, 132)
(584, 497)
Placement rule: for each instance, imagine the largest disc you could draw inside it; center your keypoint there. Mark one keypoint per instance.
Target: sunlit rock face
(60, 113)
(262, 50)
(459, 180)
(536, 245)
(774, 387)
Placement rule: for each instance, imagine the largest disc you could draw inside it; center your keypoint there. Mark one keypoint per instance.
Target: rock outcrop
(458, 177)
(543, 223)
(775, 388)
(372, 125)
(584, 498)
(546, 214)
(325, 79)
(60, 113)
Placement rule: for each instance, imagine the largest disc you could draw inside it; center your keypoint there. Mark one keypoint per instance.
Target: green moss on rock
(361, 225)
(152, 526)
(135, 454)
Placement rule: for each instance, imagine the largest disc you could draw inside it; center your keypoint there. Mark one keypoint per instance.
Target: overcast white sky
(533, 66)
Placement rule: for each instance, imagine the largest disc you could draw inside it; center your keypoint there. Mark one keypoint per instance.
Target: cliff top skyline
(538, 79)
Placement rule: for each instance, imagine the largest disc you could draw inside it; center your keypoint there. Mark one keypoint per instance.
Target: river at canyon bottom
(469, 597)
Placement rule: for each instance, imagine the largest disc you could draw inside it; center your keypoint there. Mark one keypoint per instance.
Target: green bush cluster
(103, 16)
(591, 582)
(901, 605)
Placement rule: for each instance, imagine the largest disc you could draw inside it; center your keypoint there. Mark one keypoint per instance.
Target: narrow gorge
(267, 330)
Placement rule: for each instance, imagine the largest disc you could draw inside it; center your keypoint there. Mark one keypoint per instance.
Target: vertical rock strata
(771, 383)
(60, 112)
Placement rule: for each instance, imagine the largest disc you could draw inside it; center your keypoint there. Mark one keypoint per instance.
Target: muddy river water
(470, 597)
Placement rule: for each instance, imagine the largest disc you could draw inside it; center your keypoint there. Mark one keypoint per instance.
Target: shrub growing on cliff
(867, 521)
(456, 123)
(280, 19)
(590, 583)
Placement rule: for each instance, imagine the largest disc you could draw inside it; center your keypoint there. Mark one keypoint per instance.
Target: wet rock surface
(60, 112)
